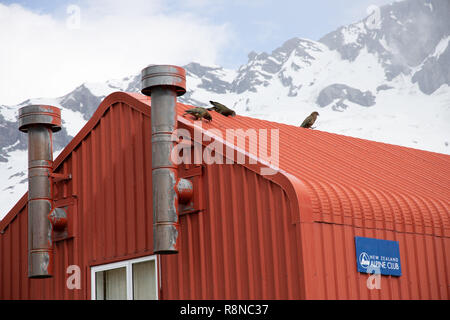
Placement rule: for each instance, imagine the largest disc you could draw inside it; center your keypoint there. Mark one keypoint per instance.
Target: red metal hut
(246, 232)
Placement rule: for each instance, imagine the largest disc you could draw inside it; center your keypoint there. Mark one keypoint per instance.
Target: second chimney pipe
(164, 83)
(39, 122)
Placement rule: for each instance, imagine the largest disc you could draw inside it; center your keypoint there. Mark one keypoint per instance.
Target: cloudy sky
(49, 47)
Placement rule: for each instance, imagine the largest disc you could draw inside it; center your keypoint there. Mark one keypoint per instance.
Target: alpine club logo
(364, 260)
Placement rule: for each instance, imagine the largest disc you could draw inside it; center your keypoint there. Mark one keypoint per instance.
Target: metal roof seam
(371, 228)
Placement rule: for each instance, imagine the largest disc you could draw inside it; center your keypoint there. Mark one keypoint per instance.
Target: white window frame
(129, 274)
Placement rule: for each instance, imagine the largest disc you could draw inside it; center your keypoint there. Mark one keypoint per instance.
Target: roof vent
(39, 122)
(164, 83)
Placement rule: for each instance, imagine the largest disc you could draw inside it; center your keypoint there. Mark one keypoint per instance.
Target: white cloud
(42, 55)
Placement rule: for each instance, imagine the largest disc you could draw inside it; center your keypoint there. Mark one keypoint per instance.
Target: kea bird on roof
(199, 113)
(309, 121)
(220, 108)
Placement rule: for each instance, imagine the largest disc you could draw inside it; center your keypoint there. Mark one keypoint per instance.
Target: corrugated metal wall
(242, 246)
(13, 260)
(330, 264)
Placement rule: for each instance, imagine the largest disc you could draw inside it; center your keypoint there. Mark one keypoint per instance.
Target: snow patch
(99, 89)
(73, 121)
(441, 47)
(9, 113)
(12, 184)
(351, 33)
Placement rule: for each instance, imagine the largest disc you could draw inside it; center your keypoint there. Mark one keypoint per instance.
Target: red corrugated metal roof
(336, 178)
(360, 182)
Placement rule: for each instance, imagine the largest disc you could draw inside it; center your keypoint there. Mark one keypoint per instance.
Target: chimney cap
(39, 115)
(163, 75)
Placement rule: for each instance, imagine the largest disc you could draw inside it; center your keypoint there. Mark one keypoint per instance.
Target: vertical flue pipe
(164, 83)
(39, 122)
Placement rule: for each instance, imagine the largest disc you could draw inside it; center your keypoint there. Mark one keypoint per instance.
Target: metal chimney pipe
(164, 83)
(40, 121)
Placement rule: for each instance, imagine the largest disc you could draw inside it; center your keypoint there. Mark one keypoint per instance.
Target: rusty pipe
(39, 122)
(164, 83)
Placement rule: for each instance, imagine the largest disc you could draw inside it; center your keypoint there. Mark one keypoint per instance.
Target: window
(126, 280)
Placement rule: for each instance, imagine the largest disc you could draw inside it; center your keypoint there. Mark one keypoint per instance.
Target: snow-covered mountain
(384, 78)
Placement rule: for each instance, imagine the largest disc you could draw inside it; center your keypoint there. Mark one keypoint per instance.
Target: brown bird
(220, 108)
(199, 113)
(309, 121)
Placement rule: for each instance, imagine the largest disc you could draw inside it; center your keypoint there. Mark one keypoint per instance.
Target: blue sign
(378, 256)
